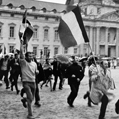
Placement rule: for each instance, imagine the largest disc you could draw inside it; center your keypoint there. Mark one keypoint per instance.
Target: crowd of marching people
(32, 73)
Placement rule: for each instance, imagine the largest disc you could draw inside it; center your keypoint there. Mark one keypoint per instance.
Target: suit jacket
(41, 74)
(55, 67)
(74, 69)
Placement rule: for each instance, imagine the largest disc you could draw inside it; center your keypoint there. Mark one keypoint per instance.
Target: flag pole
(25, 28)
(26, 46)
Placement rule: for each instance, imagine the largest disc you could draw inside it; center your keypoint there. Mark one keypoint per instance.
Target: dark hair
(15, 54)
(92, 60)
(27, 53)
(73, 57)
(7, 56)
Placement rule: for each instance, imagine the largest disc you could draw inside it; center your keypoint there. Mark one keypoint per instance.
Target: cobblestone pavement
(54, 105)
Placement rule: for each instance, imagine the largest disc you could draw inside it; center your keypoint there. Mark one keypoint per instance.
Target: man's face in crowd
(29, 57)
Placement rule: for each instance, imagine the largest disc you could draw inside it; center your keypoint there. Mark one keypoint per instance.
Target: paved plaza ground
(54, 104)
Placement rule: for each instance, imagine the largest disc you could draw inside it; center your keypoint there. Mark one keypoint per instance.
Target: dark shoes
(60, 88)
(22, 92)
(70, 104)
(18, 92)
(37, 104)
(53, 89)
(101, 117)
(86, 95)
(46, 85)
(24, 102)
(7, 87)
(11, 88)
(89, 104)
(30, 117)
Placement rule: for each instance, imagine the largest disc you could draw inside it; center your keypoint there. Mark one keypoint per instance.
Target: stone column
(97, 37)
(117, 42)
(91, 38)
(106, 41)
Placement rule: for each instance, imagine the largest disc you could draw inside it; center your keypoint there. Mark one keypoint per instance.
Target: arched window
(12, 30)
(35, 35)
(44, 9)
(33, 8)
(56, 35)
(10, 5)
(22, 7)
(54, 10)
(46, 33)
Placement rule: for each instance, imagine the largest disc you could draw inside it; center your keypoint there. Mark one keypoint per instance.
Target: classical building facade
(101, 20)
(44, 18)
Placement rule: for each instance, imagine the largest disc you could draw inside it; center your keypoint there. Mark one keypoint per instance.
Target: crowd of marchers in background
(12, 69)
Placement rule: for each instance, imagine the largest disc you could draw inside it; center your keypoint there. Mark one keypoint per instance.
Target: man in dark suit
(4, 70)
(39, 77)
(75, 74)
(15, 72)
(57, 73)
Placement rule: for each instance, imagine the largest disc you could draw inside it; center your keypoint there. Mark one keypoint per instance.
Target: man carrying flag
(71, 29)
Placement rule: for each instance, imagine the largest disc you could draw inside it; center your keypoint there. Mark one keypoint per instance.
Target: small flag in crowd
(26, 30)
(71, 29)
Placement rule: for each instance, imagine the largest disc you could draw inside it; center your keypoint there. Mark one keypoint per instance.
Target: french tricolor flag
(71, 29)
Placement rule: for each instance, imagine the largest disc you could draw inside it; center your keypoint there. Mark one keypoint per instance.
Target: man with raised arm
(28, 73)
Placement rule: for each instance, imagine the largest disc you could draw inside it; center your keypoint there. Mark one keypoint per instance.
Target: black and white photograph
(59, 59)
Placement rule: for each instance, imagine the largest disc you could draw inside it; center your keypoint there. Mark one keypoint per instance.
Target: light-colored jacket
(95, 93)
(101, 83)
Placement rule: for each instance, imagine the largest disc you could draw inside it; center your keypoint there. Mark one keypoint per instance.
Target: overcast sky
(55, 1)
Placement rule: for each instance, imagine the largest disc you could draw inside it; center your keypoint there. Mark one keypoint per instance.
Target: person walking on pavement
(57, 73)
(37, 95)
(47, 67)
(90, 62)
(15, 72)
(39, 77)
(101, 82)
(75, 74)
(28, 73)
(4, 70)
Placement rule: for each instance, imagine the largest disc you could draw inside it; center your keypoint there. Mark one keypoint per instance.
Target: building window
(65, 50)
(35, 35)
(55, 50)
(35, 50)
(45, 34)
(45, 51)
(11, 31)
(56, 35)
(75, 50)
(11, 48)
